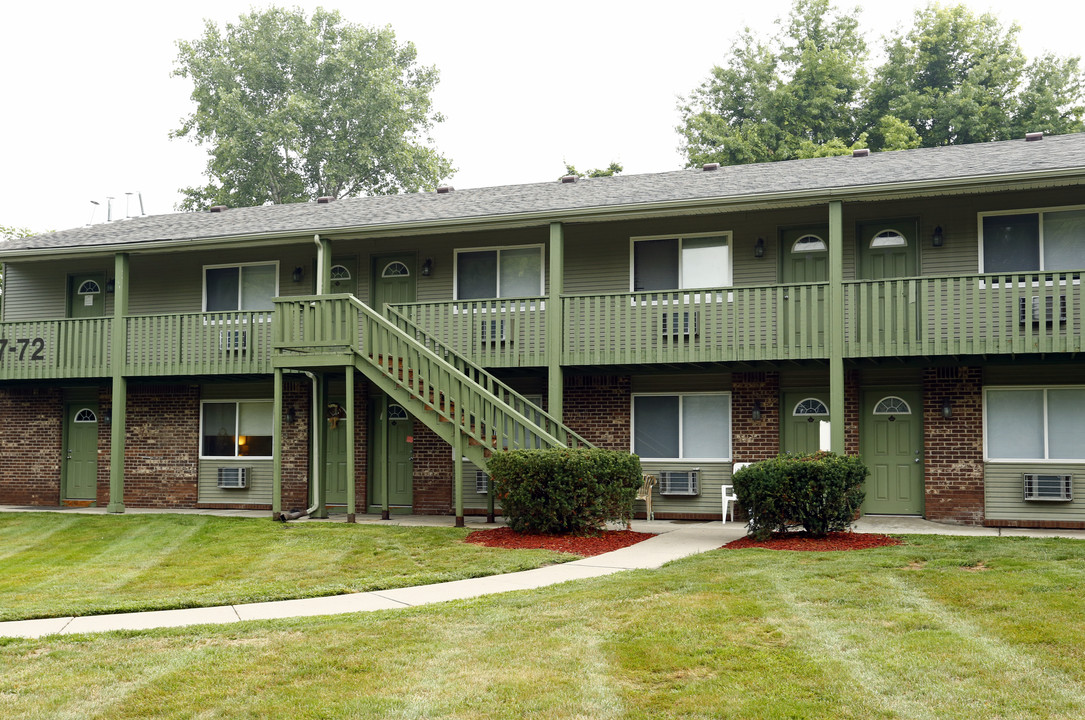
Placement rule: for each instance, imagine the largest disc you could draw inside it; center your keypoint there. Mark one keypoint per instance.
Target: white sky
(89, 101)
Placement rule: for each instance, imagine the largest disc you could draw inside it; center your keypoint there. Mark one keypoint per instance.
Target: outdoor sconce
(756, 414)
(290, 416)
(759, 248)
(107, 417)
(110, 285)
(947, 409)
(427, 267)
(297, 275)
(937, 240)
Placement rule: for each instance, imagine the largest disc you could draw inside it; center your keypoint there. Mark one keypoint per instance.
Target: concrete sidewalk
(671, 542)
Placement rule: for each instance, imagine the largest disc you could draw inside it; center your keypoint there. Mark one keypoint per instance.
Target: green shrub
(565, 491)
(819, 491)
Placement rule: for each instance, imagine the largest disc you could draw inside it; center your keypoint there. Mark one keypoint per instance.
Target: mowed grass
(54, 564)
(968, 628)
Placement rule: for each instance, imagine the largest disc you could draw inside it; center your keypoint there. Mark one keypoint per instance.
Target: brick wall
(31, 423)
(361, 444)
(433, 473)
(851, 413)
(753, 440)
(298, 397)
(953, 448)
(162, 442)
(598, 409)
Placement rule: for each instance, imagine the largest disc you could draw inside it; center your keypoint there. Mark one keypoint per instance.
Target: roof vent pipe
(445, 189)
(1030, 137)
(710, 166)
(566, 179)
(324, 199)
(218, 208)
(860, 152)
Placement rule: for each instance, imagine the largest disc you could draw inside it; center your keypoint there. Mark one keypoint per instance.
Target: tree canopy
(953, 77)
(614, 168)
(294, 108)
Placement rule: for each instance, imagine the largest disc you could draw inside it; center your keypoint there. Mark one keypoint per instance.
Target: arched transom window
(809, 243)
(888, 238)
(395, 269)
(89, 287)
(892, 405)
(86, 415)
(340, 272)
(396, 412)
(810, 407)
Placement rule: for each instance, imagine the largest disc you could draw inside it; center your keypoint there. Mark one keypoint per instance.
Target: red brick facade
(753, 440)
(31, 422)
(162, 444)
(953, 447)
(298, 400)
(433, 473)
(598, 409)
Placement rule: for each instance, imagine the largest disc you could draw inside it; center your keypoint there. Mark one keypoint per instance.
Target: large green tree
(953, 77)
(293, 108)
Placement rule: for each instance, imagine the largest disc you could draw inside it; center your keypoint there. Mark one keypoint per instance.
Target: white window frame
(1047, 439)
(1040, 212)
(680, 237)
(274, 263)
(456, 268)
(681, 438)
(237, 422)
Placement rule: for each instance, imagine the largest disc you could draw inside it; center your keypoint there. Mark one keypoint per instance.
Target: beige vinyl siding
(39, 290)
(1004, 494)
(257, 493)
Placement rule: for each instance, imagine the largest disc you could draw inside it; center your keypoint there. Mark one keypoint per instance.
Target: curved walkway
(673, 540)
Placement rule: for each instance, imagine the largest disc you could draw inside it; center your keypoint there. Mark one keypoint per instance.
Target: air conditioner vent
(684, 324)
(1048, 488)
(1049, 310)
(233, 478)
(233, 340)
(482, 482)
(685, 482)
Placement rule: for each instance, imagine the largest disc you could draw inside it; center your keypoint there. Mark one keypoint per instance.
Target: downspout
(318, 486)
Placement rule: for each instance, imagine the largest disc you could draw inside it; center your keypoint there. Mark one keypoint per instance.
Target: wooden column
(351, 505)
(381, 462)
(320, 436)
(837, 414)
(457, 454)
(555, 330)
(119, 353)
(277, 447)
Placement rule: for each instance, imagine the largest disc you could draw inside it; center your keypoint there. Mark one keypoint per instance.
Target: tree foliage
(293, 108)
(953, 77)
(614, 168)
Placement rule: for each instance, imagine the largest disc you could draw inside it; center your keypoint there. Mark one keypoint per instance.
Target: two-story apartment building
(922, 308)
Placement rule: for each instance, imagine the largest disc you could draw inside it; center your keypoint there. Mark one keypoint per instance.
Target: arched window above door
(339, 272)
(810, 407)
(809, 243)
(86, 415)
(396, 412)
(395, 269)
(892, 405)
(888, 238)
(89, 287)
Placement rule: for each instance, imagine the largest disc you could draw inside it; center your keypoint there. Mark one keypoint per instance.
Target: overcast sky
(89, 101)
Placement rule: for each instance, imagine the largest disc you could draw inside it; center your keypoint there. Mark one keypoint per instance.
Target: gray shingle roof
(942, 165)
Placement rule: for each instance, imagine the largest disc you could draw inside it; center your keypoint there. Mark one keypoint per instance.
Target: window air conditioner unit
(1049, 488)
(234, 478)
(686, 325)
(685, 482)
(233, 340)
(493, 331)
(1049, 313)
(482, 482)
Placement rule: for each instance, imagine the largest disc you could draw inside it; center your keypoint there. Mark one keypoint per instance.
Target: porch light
(937, 240)
(110, 285)
(107, 417)
(756, 414)
(759, 248)
(427, 267)
(291, 416)
(297, 275)
(947, 409)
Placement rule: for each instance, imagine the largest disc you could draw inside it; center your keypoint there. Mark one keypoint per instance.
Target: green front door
(343, 276)
(81, 452)
(804, 418)
(335, 455)
(393, 458)
(804, 258)
(86, 296)
(891, 444)
(887, 250)
(393, 280)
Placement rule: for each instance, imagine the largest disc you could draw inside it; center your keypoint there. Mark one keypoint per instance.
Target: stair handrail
(479, 371)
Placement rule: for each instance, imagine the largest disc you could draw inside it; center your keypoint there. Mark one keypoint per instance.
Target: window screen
(1011, 243)
(1015, 424)
(706, 423)
(655, 423)
(1064, 240)
(655, 264)
(219, 423)
(521, 273)
(704, 263)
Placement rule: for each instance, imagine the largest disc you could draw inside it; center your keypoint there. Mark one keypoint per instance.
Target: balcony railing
(220, 343)
(48, 349)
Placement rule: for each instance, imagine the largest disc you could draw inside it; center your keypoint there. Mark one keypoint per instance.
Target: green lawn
(55, 564)
(967, 628)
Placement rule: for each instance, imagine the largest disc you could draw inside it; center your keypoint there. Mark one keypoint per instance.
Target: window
(499, 272)
(809, 243)
(392, 269)
(680, 263)
(888, 238)
(682, 426)
(892, 405)
(1034, 423)
(1047, 240)
(86, 415)
(240, 287)
(810, 407)
(236, 428)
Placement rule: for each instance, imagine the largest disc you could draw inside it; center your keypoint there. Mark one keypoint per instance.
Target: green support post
(836, 327)
(555, 330)
(277, 448)
(489, 499)
(382, 462)
(457, 454)
(321, 437)
(119, 354)
(351, 508)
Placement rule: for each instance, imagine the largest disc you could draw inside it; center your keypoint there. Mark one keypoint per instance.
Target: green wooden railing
(199, 343)
(502, 332)
(48, 349)
(994, 313)
(474, 371)
(719, 325)
(315, 331)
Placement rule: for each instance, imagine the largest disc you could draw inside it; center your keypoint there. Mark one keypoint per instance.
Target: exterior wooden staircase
(443, 389)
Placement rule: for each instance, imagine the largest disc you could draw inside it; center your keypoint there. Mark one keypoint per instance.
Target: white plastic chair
(729, 497)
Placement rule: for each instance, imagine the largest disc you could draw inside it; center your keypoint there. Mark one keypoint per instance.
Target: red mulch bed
(585, 546)
(802, 541)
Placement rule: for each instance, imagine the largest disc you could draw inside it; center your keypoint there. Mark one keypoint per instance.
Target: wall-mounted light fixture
(107, 417)
(291, 416)
(110, 285)
(947, 409)
(427, 267)
(298, 274)
(937, 239)
(759, 248)
(756, 414)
